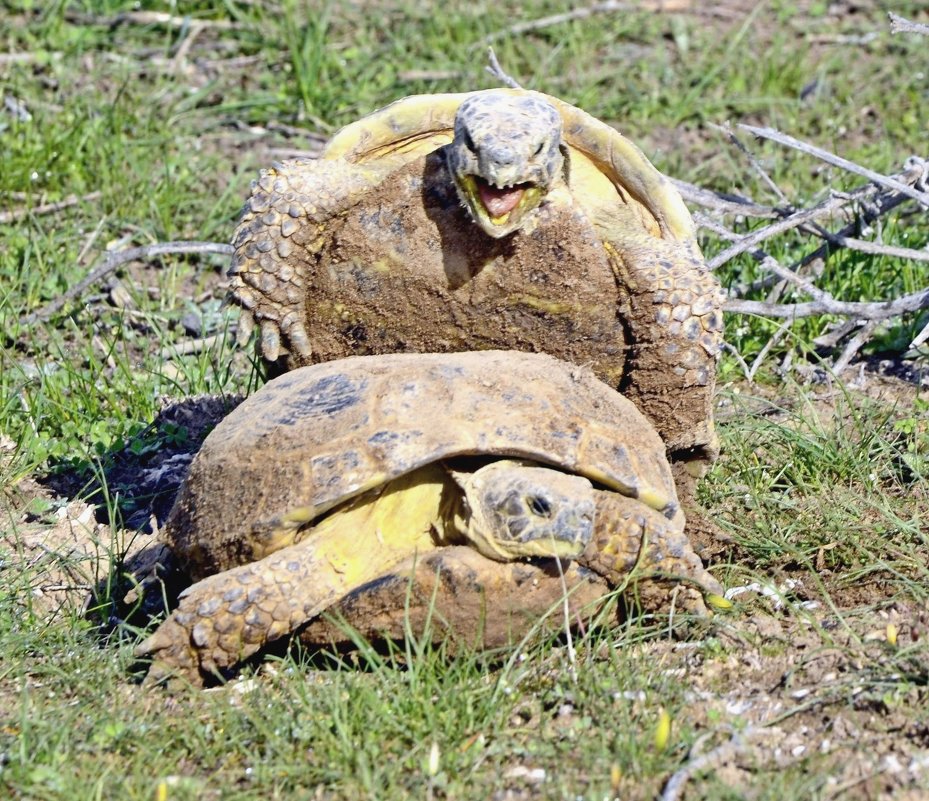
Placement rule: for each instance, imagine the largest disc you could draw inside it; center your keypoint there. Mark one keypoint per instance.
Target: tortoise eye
(468, 141)
(539, 149)
(539, 506)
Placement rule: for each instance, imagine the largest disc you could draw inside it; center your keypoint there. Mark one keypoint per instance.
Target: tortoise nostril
(501, 156)
(539, 506)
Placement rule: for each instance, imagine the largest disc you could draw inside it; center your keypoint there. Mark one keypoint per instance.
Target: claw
(245, 328)
(154, 642)
(299, 341)
(174, 662)
(270, 341)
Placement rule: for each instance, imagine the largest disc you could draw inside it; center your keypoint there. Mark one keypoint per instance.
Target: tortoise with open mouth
(499, 219)
(334, 475)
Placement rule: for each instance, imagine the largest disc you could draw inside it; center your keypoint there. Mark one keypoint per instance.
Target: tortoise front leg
(226, 618)
(672, 305)
(282, 228)
(636, 546)
(229, 616)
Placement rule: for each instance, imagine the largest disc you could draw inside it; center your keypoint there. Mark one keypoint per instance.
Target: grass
(824, 491)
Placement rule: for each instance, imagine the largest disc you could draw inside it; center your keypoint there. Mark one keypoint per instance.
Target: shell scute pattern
(373, 253)
(238, 518)
(367, 430)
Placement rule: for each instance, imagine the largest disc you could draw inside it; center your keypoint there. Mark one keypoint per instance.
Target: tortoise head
(521, 509)
(505, 157)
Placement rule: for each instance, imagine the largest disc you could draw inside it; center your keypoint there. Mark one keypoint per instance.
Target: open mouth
(499, 202)
(500, 205)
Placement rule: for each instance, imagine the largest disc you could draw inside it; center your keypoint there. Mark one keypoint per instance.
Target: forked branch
(866, 205)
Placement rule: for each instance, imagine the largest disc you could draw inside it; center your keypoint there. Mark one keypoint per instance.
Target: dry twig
(14, 215)
(870, 310)
(870, 202)
(154, 18)
(722, 203)
(855, 344)
(756, 165)
(114, 260)
(829, 208)
(28, 58)
(191, 346)
(899, 24)
(740, 740)
(837, 161)
(498, 72)
(611, 6)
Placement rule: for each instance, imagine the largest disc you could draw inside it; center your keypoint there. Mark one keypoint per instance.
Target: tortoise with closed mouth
(334, 475)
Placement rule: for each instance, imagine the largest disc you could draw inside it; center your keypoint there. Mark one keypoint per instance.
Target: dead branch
(583, 13)
(870, 201)
(899, 24)
(832, 338)
(430, 75)
(731, 349)
(843, 39)
(855, 344)
(153, 18)
(827, 208)
(722, 203)
(756, 165)
(767, 261)
(89, 242)
(921, 338)
(47, 208)
(498, 72)
(772, 342)
(740, 740)
(114, 260)
(191, 346)
(837, 161)
(791, 277)
(869, 310)
(874, 248)
(28, 58)
(884, 202)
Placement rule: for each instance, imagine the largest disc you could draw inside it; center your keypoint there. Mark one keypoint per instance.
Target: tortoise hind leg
(458, 596)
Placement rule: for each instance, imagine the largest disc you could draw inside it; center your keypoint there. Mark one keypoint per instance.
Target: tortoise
(498, 219)
(334, 474)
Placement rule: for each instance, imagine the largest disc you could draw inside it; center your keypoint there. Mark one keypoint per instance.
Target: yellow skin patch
(549, 306)
(405, 516)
